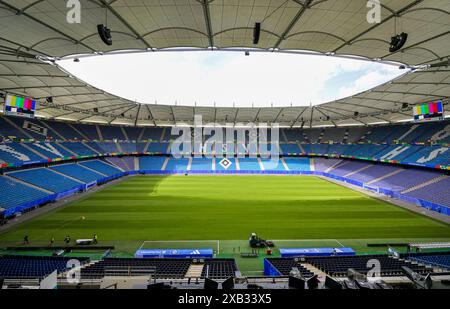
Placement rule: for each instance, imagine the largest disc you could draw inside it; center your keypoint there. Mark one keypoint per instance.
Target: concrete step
(314, 270)
(195, 271)
(425, 184)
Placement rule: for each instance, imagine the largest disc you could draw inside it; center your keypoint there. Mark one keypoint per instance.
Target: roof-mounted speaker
(398, 41)
(256, 33)
(105, 34)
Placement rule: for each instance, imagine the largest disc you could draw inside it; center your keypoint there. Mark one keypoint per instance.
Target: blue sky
(227, 78)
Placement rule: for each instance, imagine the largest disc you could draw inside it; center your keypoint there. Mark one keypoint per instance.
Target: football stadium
(99, 191)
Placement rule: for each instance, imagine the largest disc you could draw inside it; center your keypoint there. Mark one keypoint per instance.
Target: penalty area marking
(165, 244)
(307, 240)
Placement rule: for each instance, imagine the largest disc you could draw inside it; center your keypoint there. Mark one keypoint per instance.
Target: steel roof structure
(35, 33)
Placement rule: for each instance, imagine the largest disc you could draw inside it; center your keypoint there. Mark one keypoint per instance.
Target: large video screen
(19, 106)
(429, 112)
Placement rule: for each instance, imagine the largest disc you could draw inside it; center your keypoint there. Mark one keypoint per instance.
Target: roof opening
(227, 79)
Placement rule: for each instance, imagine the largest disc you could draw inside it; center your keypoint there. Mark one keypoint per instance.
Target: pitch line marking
(183, 241)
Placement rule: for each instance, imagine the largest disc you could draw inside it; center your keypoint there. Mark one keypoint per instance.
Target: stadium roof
(34, 33)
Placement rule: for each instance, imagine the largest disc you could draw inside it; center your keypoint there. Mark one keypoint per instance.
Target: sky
(227, 79)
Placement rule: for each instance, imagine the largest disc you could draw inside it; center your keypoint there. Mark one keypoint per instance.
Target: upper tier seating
(110, 133)
(337, 135)
(78, 172)
(28, 267)
(133, 133)
(89, 131)
(47, 179)
(127, 147)
(17, 153)
(156, 147)
(79, 148)
(34, 128)
(18, 193)
(65, 130)
(405, 133)
(288, 149)
(50, 150)
(107, 147)
(153, 134)
(313, 135)
(293, 135)
(7, 130)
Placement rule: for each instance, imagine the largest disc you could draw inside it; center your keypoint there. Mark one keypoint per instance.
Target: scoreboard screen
(19, 106)
(429, 112)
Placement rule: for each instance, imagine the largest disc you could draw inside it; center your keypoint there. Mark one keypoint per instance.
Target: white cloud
(225, 78)
(367, 81)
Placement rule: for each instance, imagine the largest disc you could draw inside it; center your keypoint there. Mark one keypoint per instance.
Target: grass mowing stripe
(152, 208)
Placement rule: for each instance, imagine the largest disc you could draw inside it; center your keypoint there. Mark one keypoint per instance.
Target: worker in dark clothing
(95, 239)
(26, 240)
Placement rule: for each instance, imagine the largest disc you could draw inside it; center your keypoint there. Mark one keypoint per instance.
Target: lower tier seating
(101, 167)
(47, 179)
(26, 267)
(338, 266)
(434, 259)
(78, 172)
(219, 269)
(161, 268)
(15, 193)
(285, 266)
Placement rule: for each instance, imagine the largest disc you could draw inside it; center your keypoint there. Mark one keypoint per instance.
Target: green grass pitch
(226, 208)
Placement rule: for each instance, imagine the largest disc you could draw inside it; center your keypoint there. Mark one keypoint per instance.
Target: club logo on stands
(74, 11)
(230, 140)
(374, 14)
(225, 163)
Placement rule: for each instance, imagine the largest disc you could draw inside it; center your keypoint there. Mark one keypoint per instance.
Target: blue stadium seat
(78, 172)
(151, 163)
(46, 179)
(18, 193)
(298, 164)
(101, 167)
(29, 267)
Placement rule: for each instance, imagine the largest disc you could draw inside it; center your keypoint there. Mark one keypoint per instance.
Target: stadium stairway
(194, 271)
(426, 184)
(334, 166)
(385, 176)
